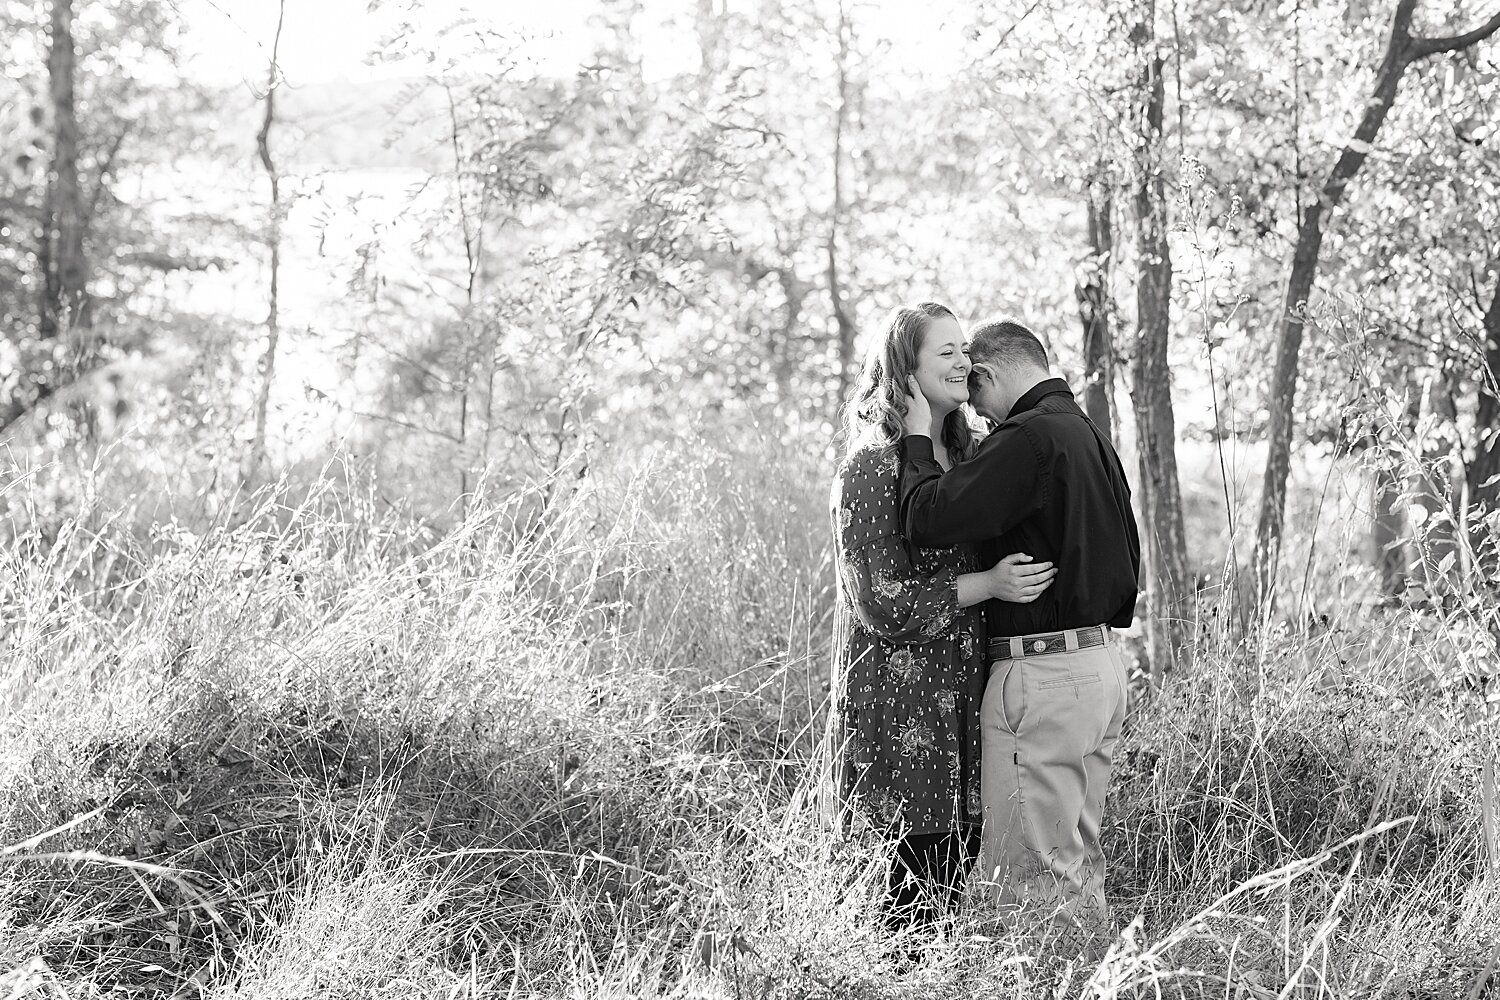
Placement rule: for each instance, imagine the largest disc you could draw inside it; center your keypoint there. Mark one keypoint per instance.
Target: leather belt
(1042, 643)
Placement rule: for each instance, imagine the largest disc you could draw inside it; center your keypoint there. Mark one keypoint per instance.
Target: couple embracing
(978, 687)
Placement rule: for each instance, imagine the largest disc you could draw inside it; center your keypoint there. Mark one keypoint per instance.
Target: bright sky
(229, 40)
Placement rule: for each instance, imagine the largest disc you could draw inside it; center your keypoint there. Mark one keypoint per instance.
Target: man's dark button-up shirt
(1045, 482)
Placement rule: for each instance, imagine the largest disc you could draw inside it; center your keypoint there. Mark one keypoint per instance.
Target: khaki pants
(1050, 724)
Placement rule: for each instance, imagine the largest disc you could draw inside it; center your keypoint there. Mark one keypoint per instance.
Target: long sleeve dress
(909, 667)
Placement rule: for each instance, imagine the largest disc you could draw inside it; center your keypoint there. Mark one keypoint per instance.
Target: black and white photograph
(750, 500)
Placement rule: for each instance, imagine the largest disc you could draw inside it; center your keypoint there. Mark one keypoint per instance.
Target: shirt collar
(1034, 395)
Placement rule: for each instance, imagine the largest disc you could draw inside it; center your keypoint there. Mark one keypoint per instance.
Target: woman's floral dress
(909, 666)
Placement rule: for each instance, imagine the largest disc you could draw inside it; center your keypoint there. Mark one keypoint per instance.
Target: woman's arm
(899, 604)
(896, 602)
(890, 596)
(974, 588)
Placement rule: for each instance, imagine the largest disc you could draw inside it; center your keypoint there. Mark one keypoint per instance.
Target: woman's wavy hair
(878, 402)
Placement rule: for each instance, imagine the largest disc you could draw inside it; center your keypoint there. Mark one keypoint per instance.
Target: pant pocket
(1123, 675)
(1078, 679)
(1007, 692)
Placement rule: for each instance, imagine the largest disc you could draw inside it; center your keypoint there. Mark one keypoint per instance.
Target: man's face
(989, 392)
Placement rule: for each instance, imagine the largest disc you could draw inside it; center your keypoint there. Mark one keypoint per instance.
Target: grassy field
(304, 744)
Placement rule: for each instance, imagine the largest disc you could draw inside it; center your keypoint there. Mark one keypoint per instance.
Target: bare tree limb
(1421, 48)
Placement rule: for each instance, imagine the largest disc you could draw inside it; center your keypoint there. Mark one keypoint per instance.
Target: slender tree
(708, 22)
(1388, 530)
(1151, 383)
(843, 320)
(65, 268)
(1436, 486)
(472, 217)
(1402, 50)
(273, 239)
(63, 230)
(1484, 469)
(1095, 305)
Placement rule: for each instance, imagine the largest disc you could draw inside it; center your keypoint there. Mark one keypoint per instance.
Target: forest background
(418, 422)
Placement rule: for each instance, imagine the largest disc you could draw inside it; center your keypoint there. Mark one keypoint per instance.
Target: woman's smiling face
(943, 365)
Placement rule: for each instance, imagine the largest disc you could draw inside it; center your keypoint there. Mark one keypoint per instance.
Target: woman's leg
(927, 876)
(908, 901)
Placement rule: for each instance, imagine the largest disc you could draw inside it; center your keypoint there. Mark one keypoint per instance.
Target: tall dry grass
(304, 743)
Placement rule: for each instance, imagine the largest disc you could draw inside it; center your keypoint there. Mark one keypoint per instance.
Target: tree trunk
(1388, 532)
(65, 300)
(1484, 469)
(471, 228)
(1401, 51)
(1091, 287)
(1436, 488)
(49, 305)
(795, 291)
(1151, 392)
(843, 321)
(708, 21)
(273, 322)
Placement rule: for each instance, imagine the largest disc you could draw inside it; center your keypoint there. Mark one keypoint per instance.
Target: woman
(909, 671)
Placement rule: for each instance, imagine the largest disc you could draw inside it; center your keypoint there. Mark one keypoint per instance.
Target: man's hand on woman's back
(1018, 579)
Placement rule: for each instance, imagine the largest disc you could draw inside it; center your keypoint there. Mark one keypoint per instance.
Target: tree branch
(158, 261)
(1421, 48)
(383, 417)
(13, 412)
(66, 382)
(106, 168)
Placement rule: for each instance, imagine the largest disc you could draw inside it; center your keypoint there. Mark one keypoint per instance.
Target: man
(1045, 482)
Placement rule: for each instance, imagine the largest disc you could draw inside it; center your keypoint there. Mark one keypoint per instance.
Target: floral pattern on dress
(846, 517)
(908, 671)
(916, 742)
(905, 667)
(939, 624)
(883, 806)
(887, 585)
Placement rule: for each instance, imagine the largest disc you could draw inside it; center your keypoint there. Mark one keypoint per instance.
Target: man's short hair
(1006, 343)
